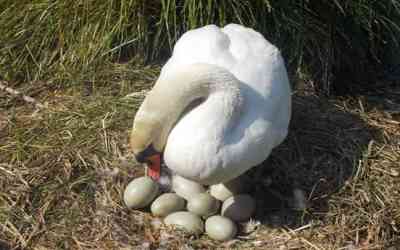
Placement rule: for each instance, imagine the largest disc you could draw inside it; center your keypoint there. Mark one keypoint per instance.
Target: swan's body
(245, 113)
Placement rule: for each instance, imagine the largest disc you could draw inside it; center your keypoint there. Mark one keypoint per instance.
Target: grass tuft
(343, 47)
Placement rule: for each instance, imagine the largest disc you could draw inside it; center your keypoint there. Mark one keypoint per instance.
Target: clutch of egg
(191, 204)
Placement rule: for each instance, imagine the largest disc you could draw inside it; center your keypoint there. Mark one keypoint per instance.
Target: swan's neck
(175, 91)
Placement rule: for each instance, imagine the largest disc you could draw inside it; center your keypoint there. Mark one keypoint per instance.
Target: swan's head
(141, 141)
(174, 93)
(150, 127)
(147, 138)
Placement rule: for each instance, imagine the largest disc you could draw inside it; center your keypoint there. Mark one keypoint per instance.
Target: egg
(140, 192)
(223, 191)
(238, 208)
(187, 221)
(203, 205)
(186, 188)
(220, 228)
(167, 204)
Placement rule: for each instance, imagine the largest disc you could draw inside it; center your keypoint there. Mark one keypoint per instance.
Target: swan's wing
(242, 51)
(266, 118)
(249, 56)
(203, 45)
(259, 65)
(255, 57)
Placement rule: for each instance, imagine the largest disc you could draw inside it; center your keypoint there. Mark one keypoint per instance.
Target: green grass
(65, 41)
(340, 46)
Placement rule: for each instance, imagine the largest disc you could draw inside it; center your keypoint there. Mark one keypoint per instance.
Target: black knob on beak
(143, 156)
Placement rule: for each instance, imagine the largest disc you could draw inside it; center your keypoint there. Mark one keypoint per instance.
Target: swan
(221, 103)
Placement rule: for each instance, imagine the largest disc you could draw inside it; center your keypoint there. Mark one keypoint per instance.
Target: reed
(334, 44)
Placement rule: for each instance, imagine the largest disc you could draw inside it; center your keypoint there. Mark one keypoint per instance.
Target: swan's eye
(143, 156)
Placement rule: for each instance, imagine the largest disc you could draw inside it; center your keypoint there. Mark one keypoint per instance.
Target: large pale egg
(203, 205)
(220, 228)
(223, 191)
(186, 220)
(140, 192)
(239, 208)
(167, 204)
(186, 188)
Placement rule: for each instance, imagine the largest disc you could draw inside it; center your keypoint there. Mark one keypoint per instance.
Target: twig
(301, 228)
(14, 92)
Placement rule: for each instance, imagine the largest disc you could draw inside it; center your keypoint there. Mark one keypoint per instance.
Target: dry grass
(63, 171)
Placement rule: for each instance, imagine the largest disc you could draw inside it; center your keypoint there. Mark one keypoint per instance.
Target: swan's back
(259, 66)
(242, 51)
(250, 57)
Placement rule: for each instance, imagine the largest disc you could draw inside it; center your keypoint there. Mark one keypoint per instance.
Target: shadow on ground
(320, 154)
(4, 246)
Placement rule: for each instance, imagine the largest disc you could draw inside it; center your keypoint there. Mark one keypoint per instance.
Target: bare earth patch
(63, 171)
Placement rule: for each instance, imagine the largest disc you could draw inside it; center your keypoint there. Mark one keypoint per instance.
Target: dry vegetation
(64, 168)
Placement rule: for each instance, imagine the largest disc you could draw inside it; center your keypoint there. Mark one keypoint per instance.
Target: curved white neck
(175, 90)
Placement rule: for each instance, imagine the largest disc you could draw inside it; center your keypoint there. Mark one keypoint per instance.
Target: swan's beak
(154, 167)
(153, 160)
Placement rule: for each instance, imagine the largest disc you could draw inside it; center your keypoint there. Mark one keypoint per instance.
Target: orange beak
(154, 167)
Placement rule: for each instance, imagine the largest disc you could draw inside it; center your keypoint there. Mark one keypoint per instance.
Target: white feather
(196, 148)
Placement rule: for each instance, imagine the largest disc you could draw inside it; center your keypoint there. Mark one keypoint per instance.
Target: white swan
(220, 105)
